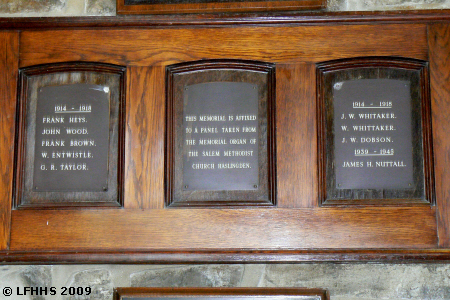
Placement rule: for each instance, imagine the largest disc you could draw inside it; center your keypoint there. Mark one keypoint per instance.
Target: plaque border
(170, 138)
(325, 155)
(25, 74)
(132, 293)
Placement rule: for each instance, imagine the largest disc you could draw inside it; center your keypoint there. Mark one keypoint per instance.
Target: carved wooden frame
(220, 293)
(113, 197)
(221, 70)
(422, 169)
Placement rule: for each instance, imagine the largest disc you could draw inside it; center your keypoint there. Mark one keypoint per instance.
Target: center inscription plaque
(219, 134)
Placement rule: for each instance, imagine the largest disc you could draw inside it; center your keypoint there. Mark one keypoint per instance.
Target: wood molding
(230, 256)
(229, 19)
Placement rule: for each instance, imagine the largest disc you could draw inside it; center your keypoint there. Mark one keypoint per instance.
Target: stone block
(37, 276)
(101, 7)
(189, 276)
(366, 281)
(24, 6)
(99, 281)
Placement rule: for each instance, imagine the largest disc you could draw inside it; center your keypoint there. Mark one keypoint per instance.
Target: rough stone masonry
(364, 281)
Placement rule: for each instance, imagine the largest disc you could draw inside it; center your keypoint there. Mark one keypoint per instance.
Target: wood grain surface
(270, 44)
(225, 229)
(296, 136)
(144, 164)
(439, 44)
(9, 60)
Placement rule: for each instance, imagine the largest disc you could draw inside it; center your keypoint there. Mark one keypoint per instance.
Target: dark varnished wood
(229, 19)
(296, 136)
(212, 293)
(144, 174)
(225, 229)
(373, 68)
(439, 43)
(45, 75)
(229, 256)
(177, 7)
(9, 61)
(139, 47)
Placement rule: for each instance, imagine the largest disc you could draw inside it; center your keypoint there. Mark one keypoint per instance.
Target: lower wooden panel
(203, 229)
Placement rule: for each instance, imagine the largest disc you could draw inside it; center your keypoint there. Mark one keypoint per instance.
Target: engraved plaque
(220, 134)
(373, 134)
(71, 140)
(70, 136)
(374, 143)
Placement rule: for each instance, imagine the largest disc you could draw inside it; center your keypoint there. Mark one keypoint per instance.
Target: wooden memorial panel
(220, 294)
(220, 134)
(70, 136)
(375, 139)
(237, 222)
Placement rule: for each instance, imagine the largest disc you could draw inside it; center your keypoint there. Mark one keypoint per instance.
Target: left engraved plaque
(70, 136)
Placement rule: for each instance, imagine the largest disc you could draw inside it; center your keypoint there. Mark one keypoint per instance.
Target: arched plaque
(220, 134)
(374, 133)
(70, 133)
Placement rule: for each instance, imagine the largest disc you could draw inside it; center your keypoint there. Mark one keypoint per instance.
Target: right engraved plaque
(374, 132)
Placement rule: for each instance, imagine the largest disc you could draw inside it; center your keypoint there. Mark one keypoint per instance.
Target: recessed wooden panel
(220, 294)
(9, 60)
(148, 47)
(374, 132)
(220, 134)
(70, 136)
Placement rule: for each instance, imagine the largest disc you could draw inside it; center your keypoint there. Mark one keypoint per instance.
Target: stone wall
(344, 281)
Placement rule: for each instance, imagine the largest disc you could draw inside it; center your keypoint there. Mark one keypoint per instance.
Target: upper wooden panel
(270, 44)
